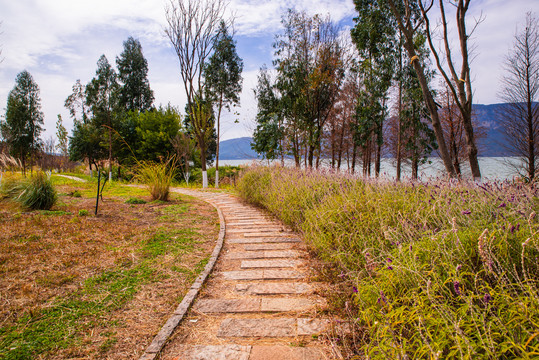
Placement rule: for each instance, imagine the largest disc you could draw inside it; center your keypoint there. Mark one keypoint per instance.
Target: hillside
(489, 116)
(237, 149)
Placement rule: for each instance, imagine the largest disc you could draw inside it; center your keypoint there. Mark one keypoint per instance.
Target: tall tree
(102, 100)
(409, 21)
(192, 29)
(521, 91)
(310, 71)
(268, 135)
(135, 93)
(223, 80)
(24, 120)
(459, 82)
(63, 140)
(375, 38)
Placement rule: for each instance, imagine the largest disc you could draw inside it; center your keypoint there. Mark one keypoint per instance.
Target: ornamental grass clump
(33, 193)
(157, 177)
(443, 269)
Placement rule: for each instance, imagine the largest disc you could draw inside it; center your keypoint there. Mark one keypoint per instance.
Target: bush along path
(259, 302)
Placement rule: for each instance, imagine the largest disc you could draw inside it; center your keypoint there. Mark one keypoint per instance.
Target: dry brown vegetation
(129, 267)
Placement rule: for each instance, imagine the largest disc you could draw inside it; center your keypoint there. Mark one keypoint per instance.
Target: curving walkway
(259, 302)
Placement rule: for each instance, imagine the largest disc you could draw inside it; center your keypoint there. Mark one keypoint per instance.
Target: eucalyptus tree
(102, 101)
(268, 137)
(23, 122)
(521, 91)
(135, 93)
(458, 81)
(309, 62)
(407, 15)
(192, 29)
(222, 75)
(375, 36)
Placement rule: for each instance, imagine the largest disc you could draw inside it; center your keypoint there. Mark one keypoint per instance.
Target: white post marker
(204, 179)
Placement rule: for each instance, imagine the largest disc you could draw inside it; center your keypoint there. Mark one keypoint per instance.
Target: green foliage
(155, 130)
(135, 94)
(83, 212)
(135, 201)
(34, 193)
(440, 270)
(157, 177)
(61, 134)
(24, 120)
(269, 134)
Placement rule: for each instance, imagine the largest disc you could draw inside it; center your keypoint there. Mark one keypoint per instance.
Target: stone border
(172, 323)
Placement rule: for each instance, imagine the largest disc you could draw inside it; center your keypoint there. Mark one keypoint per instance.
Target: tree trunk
(427, 95)
(218, 139)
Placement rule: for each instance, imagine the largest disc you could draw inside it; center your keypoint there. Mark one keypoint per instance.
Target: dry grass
(47, 258)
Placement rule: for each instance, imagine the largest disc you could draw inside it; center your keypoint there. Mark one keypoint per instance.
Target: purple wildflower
(390, 267)
(456, 287)
(466, 212)
(512, 229)
(487, 298)
(354, 289)
(389, 260)
(459, 267)
(502, 205)
(342, 275)
(382, 298)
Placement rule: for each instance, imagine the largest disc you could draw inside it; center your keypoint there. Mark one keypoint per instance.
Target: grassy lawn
(75, 285)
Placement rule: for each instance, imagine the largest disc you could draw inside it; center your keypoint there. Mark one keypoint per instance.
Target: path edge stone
(157, 344)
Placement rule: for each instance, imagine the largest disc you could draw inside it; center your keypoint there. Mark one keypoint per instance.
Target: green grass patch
(135, 201)
(173, 212)
(169, 241)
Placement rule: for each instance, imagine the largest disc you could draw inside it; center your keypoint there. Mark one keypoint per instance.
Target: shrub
(83, 212)
(157, 177)
(34, 193)
(135, 201)
(432, 270)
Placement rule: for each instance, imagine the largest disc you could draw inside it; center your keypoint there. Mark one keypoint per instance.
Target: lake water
(492, 168)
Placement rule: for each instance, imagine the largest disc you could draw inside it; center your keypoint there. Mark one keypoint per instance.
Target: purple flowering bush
(433, 270)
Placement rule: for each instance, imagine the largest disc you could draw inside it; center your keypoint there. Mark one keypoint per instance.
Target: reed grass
(437, 270)
(34, 193)
(157, 177)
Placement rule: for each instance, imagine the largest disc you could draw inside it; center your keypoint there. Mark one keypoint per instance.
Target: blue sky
(60, 41)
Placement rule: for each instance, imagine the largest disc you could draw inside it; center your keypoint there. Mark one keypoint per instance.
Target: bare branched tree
(459, 82)
(521, 91)
(192, 29)
(409, 23)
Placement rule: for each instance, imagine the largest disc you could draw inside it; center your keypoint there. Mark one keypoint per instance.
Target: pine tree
(223, 79)
(135, 94)
(24, 119)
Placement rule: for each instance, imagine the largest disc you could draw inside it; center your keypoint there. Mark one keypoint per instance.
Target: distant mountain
(490, 117)
(237, 149)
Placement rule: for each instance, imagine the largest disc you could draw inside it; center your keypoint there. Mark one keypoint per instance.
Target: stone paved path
(259, 303)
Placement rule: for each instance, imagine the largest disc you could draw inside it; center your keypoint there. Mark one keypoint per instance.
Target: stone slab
(274, 288)
(286, 304)
(252, 230)
(244, 275)
(229, 305)
(262, 240)
(214, 352)
(274, 263)
(249, 223)
(311, 326)
(271, 327)
(283, 352)
(257, 328)
(268, 274)
(258, 247)
(269, 234)
(274, 274)
(239, 255)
